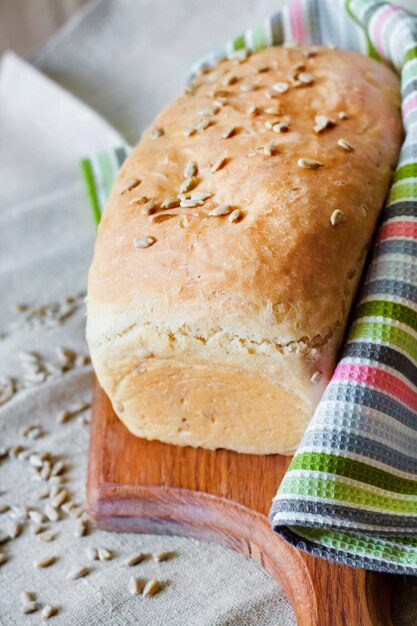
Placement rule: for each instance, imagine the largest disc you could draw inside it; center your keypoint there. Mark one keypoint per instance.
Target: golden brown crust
(286, 272)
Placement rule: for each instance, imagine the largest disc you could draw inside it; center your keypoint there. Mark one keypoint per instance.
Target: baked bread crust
(207, 331)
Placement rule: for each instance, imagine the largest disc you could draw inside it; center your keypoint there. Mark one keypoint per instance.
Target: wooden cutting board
(143, 486)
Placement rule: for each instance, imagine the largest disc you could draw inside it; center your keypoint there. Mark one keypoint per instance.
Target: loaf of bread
(232, 245)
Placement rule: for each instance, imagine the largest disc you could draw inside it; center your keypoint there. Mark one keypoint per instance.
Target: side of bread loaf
(232, 245)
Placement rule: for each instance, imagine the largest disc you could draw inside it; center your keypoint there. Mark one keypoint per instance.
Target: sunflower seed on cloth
(92, 553)
(27, 596)
(3, 558)
(48, 611)
(136, 586)
(152, 587)
(78, 572)
(163, 556)
(15, 529)
(51, 513)
(135, 559)
(29, 607)
(45, 561)
(7, 389)
(104, 554)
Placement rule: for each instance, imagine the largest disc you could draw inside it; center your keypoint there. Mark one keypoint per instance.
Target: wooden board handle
(221, 496)
(321, 593)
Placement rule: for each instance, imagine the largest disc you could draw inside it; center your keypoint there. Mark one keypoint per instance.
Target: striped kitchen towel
(350, 493)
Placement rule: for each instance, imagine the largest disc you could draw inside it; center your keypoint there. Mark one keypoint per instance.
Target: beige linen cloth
(46, 240)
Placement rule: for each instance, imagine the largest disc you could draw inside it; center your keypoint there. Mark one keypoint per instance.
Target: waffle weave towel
(350, 493)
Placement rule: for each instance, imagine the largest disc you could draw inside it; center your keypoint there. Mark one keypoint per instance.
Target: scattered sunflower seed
(280, 87)
(336, 217)
(92, 553)
(47, 537)
(37, 530)
(271, 123)
(345, 145)
(306, 78)
(188, 132)
(203, 124)
(143, 242)
(136, 586)
(4, 507)
(104, 554)
(78, 572)
(48, 611)
(45, 470)
(229, 132)
(57, 468)
(188, 203)
(309, 164)
(270, 94)
(170, 203)
(275, 110)
(209, 111)
(230, 79)
(157, 132)
(62, 417)
(138, 200)
(19, 512)
(270, 149)
(51, 513)
(223, 209)
(342, 115)
(15, 529)
(81, 529)
(162, 217)
(316, 377)
(188, 184)
(7, 389)
(36, 517)
(43, 493)
(60, 498)
(152, 587)
(200, 196)
(45, 561)
(135, 559)
(27, 596)
(321, 123)
(3, 558)
(149, 208)
(191, 169)
(252, 110)
(163, 556)
(217, 165)
(262, 68)
(281, 127)
(29, 607)
(235, 216)
(240, 56)
(132, 184)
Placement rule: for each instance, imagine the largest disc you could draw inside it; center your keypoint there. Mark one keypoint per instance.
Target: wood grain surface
(136, 485)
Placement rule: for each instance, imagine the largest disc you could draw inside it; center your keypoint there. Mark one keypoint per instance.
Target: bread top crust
(283, 271)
